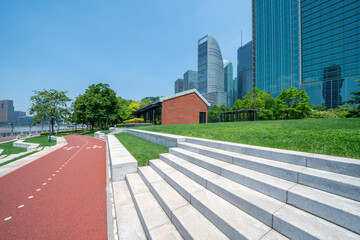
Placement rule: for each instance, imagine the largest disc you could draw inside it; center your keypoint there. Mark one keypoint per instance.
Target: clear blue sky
(138, 47)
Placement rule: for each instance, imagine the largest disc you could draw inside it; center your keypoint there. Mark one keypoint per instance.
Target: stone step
(128, 222)
(154, 220)
(265, 208)
(278, 169)
(188, 220)
(317, 202)
(339, 210)
(297, 224)
(269, 185)
(232, 221)
(346, 166)
(338, 184)
(256, 204)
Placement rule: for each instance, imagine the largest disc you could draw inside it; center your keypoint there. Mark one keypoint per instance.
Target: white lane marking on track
(44, 183)
(49, 179)
(30, 197)
(8, 218)
(57, 171)
(38, 189)
(21, 206)
(54, 175)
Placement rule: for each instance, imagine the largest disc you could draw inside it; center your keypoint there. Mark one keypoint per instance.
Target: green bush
(322, 114)
(63, 131)
(134, 120)
(355, 112)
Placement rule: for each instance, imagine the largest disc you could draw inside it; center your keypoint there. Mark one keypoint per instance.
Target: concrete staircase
(213, 190)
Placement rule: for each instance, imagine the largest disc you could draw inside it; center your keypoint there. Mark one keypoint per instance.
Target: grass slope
(142, 150)
(337, 137)
(9, 149)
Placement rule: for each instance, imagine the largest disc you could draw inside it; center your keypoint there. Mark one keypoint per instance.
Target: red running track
(59, 196)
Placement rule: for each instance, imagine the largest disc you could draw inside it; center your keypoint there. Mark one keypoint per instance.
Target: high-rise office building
(310, 45)
(244, 70)
(235, 89)
(228, 82)
(7, 111)
(179, 85)
(211, 71)
(190, 80)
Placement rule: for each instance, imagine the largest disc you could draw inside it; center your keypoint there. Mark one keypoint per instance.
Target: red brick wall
(183, 110)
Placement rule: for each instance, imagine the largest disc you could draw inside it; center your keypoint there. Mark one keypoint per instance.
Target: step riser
(247, 207)
(337, 216)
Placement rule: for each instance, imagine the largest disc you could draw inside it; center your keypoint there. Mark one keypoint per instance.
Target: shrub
(322, 114)
(134, 120)
(63, 131)
(355, 111)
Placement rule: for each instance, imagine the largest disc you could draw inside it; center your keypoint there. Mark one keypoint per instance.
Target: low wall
(167, 140)
(121, 161)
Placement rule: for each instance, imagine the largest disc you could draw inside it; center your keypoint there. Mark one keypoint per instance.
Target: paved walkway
(59, 196)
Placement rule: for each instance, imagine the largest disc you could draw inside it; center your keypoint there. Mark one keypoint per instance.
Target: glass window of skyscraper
(311, 45)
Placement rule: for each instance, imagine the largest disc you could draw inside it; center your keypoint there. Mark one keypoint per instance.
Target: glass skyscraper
(179, 85)
(211, 71)
(190, 80)
(307, 44)
(244, 70)
(228, 82)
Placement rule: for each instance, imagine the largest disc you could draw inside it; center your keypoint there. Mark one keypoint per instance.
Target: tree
(213, 114)
(356, 98)
(296, 103)
(49, 105)
(97, 105)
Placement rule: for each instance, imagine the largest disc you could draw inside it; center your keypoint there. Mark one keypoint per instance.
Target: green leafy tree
(49, 105)
(213, 114)
(356, 98)
(145, 102)
(296, 103)
(97, 105)
(319, 107)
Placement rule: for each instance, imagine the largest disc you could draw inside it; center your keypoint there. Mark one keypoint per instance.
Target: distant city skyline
(139, 49)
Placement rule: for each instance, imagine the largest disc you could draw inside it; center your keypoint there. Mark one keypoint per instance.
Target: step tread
(149, 210)
(288, 218)
(128, 222)
(175, 202)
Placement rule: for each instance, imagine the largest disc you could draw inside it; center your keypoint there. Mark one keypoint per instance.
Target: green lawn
(43, 140)
(105, 131)
(89, 133)
(337, 137)
(9, 149)
(142, 150)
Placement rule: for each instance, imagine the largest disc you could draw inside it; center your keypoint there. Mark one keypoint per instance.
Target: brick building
(186, 107)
